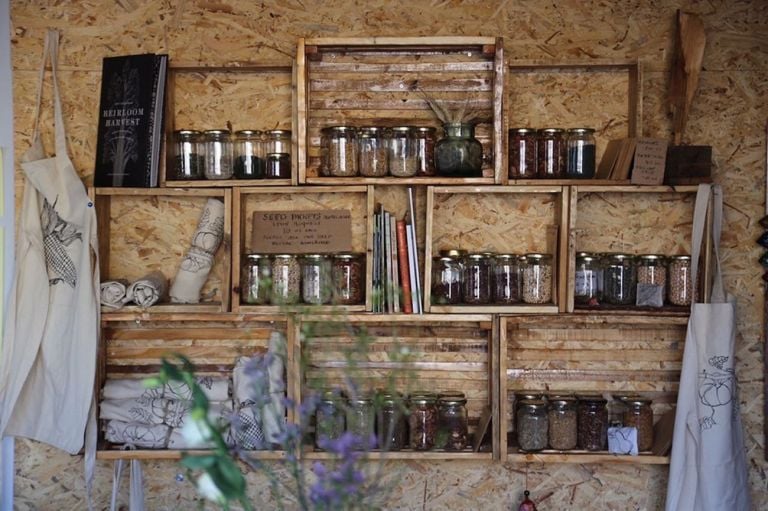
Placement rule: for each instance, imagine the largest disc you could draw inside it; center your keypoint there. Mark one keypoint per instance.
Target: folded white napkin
(145, 411)
(216, 389)
(113, 293)
(220, 414)
(148, 290)
(127, 388)
(177, 412)
(146, 436)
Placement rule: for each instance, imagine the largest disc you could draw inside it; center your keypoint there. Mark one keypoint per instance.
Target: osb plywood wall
(729, 113)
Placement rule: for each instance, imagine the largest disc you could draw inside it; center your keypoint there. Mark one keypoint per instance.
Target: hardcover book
(130, 120)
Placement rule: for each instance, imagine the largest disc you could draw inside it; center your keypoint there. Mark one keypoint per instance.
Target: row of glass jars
(313, 279)
(553, 153)
(371, 151)
(616, 279)
(391, 422)
(488, 278)
(217, 154)
(566, 422)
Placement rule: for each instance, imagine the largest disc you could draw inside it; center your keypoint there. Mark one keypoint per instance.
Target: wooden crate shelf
(406, 455)
(156, 454)
(586, 458)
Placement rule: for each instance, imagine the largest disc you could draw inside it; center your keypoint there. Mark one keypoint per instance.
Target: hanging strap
(705, 192)
(50, 50)
(136, 485)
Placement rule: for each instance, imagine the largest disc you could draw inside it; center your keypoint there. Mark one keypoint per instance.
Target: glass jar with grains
(338, 147)
(249, 154)
(587, 279)
(329, 417)
(278, 150)
(422, 421)
(581, 153)
(390, 422)
(651, 280)
(638, 414)
(446, 280)
(522, 153)
(592, 423)
(478, 270)
(532, 425)
(681, 289)
(403, 155)
(361, 420)
(425, 150)
(256, 279)
(347, 272)
(507, 279)
(550, 153)
(537, 278)
(452, 421)
(286, 279)
(620, 280)
(563, 423)
(218, 154)
(372, 152)
(188, 159)
(316, 279)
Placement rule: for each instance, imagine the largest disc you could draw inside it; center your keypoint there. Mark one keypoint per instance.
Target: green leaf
(153, 382)
(198, 462)
(232, 473)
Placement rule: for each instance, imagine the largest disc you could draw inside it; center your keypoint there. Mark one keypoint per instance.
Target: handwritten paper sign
(650, 160)
(302, 232)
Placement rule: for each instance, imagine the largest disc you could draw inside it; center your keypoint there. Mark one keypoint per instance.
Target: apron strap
(706, 193)
(90, 453)
(51, 49)
(40, 80)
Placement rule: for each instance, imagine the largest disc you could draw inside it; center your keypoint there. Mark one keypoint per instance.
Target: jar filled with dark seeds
(587, 279)
(446, 280)
(188, 159)
(347, 272)
(581, 153)
(373, 152)
(316, 279)
(249, 154)
(537, 278)
(425, 150)
(256, 280)
(620, 279)
(522, 153)
(278, 154)
(592, 423)
(218, 154)
(422, 421)
(680, 287)
(286, 279)
(403, 155)
(478, 270)
(453, 429)
(507, 279)
(532, 425)
(639, 414)
(329, 417)
(563, 423)
(338, 150)
(551, 153)
(361, 420)
(390, 422)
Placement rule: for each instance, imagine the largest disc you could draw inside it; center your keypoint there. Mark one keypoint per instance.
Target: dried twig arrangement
(448, 115)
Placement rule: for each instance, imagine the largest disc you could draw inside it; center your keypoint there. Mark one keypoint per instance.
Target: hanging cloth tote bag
(708, 470)
(49, 347)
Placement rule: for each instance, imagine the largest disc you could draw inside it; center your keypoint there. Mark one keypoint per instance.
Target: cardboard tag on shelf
(650, 160)
(302, 232)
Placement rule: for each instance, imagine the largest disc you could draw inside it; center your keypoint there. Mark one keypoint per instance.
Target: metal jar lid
(453, 252)
(248, 133)
(581, 131)
(216, 132)
(425, 130)
(278, 133)
(552, 131)
(422, 398)
(523, 131)
(256, 257)
(187, 133)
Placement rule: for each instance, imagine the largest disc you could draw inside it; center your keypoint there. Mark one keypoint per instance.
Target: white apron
(52, 326)
(708, 470)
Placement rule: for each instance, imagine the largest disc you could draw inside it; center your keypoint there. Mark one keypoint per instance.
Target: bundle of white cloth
(145, 292)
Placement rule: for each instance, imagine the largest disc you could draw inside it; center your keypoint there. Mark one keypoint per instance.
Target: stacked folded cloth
(145, 292)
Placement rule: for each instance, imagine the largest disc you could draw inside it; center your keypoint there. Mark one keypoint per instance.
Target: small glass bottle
(651, 280)
(478, 270)
(507, 279)
(537, 278)
(425, 150)
(522, 153)
(587, 279)
(563, 423)
(249, 154)
(681, 289)
(347, 272)
(316, 279)
(403, 157)
(338, 147)
(390, 422)
(446, 280)
(329, 417)
(286, 279)
(532, 425)
(188, 159)
(620, 279)
(373, 153)
(452, 421)
(256, 280)
(278, 151)
(422, 421)
(581, 153)
(593, 423)
(550, 153)
(639, 414)
(361, 421)
(218, 154)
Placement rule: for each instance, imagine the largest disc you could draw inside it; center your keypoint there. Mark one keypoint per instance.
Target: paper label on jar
(585, 283)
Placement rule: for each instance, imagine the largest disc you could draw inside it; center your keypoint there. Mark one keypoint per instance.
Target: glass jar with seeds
(522, 153)
(373, 152)
(338, 149)
(587, 277)
(563, 423)
(551, 153)
(680, 286)
(256, 280)
(478, 270)
(581, 153)
(188, 159)
(286, 279)
(422, 421)
(425, 150)
(639, 414)
(452, 421)
(390, 422)
(329, 417)
(403, 157)
(532, 425)
(278, 154)
(537, 279)
(651, 280)
(592, 423)
(361, 420)
(316, 279)
(446, 280)
(507, 279)
(218, 154)
(620, 280)
(517, 398)
(249, 154)
(347, 272)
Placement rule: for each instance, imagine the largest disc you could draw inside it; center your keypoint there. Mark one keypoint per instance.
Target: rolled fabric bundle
(113, 293)
(137, 434)
(273, 414)
(146, 411)
(177, 412)
(148, 290)
(244, 391)
(216, 389)
(220, 414)
(197, 264)
(128, 388)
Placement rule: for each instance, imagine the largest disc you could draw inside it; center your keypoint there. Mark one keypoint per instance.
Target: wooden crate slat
(169, 334)
(326, 66)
